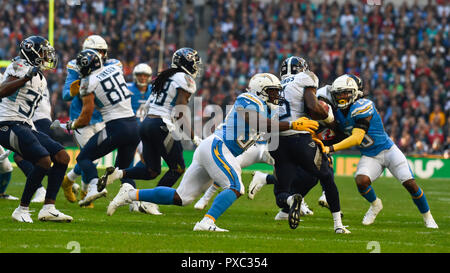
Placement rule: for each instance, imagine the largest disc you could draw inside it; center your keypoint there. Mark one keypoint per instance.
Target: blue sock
(221, 203)
(420, 200)
(33, 182)
(4, 181)
(369, 194)
(158, 195)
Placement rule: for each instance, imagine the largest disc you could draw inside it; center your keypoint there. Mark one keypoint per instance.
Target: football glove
(70, 125)
(305, 124)
(322, 147)
(75, 88)
(196, 140)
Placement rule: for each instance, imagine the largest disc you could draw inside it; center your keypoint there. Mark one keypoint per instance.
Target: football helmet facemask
(37, 51)
(344, 91)
(267, 87)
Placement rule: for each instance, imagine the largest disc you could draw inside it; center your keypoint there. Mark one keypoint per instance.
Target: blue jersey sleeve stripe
(362, 110)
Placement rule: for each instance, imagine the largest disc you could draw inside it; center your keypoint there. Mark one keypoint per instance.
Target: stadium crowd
(400, 52)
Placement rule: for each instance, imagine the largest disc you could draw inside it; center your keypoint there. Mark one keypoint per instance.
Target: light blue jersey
(138, 99)
(376, 139)
(77, 103)
(235, 133)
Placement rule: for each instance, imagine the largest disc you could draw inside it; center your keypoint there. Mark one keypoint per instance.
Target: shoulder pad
(247, 99)
(113, 62)
(324, 93)
(307, 79)
(362, 108)
(17, 68)
(72, 64)
(184, 81)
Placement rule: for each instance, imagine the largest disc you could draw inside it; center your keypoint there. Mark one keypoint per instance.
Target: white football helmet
(344, 91)
(259, 85)
(142, 68)
(96, 42)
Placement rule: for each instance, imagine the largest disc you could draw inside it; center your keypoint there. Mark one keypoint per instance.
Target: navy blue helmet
(187, 59)
(37, 51)
(293, 65)
(88, 60)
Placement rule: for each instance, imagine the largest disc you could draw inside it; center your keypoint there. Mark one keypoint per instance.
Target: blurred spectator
(400, 51)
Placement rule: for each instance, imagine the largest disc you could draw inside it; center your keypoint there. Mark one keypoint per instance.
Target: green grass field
(399, 227)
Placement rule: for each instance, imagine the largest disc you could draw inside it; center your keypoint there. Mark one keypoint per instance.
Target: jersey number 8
(116, 89)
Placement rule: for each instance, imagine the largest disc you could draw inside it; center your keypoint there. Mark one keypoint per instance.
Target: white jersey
(324, 92)
(163, 104)
(112, 97)
(21, 105)
(1, 77)
(44, 109)
(294, 105)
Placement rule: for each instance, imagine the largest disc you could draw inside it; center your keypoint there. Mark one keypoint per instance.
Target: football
(325, 105)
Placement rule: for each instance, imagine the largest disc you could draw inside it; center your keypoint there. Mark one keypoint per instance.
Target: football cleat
(121, 199)
(429, 220)
(323, 201)
(258, 181)
(39, 195)
(145, 207)
(92, 195)
(304, 209)
(109, 177)
(8, 197)
(67, 186)
(202, 226)
(22, 215)
(76, 188)
(82, 195)
(375, 207)
(53, 215)
(341, 230)
(281, 215)
(294, 210)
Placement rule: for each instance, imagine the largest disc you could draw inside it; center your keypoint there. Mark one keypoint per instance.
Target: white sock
(427, 215)
(132, 195)
(208, 220)
(84, 186)
(72, 175)
(290, 200)
(337, 219)
(210, 192)
(119, 174)
(24, 208)
(93, 181)
(48, 206)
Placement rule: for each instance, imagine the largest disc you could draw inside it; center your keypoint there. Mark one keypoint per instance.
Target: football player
(82, 135)
(42, 121)
(297, 151)
(21, 92)
(141, 89)
(104, 87)
(360, 120)
(215, 157)
(172, 87)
